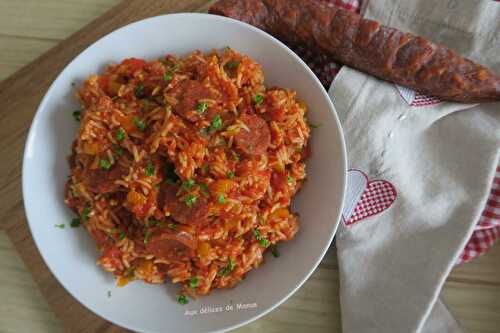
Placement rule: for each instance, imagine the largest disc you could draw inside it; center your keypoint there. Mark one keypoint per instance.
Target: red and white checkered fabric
(377, 197)
(488, 228)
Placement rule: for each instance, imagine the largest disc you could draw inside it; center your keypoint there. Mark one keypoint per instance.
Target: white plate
(71, 254)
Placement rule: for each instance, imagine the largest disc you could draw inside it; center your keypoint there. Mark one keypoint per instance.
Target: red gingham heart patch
(369, 197)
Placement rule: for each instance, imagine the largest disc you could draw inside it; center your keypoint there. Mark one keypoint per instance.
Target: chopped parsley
(122, 236)
(221, 199)
(105, 164)
(172, 226)
(152, 223)
(202, 107)
(170, 181)
(290, 180)
(258, 99)
(204, 189)
(312, 125)
(167, 76)
(75, 223)
(182, 299)
(150, 170)
(119, 150)
(60, 226)
(120, 134)
(233, 64)
(264, 242)
(190, 200)
(147, 234)
(216, 124)
(227, 269)
(175, 67)
(139, 90)
(77, 115)
(193, 282)
(227, 48)
(141, 126)
(230, 175)
(188, 184)
(85, 213)
(274, 251)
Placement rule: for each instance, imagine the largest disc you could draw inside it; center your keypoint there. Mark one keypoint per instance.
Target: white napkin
(423, 174)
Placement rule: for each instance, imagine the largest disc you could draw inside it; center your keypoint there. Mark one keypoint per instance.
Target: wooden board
(472, 291)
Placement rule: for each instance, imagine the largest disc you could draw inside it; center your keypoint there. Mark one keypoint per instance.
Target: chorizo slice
(188, 94)
(255, 138)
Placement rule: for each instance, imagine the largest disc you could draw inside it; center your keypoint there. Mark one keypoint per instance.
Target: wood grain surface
(30, 294)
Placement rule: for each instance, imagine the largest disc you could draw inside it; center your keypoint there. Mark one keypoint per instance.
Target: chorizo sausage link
(368, 46)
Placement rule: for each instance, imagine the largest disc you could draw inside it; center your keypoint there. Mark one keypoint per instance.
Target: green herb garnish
(221, 199)
(274, 251)
(228, 269)
(216, 124)
(172, 226)
(233, 64)
(175, 67)
(258, 99)
(312, 125)
(290, 180)
(193, 282)
(75, 222)
(119, 151)
(182, 299)
(141, 126)
(152, 223)
(230, 175)
(204, 189)
(139, 90)
(60, 226)
(188, 184)
(167, 76)
(190, 200)
(120, 134)
(122, 236)
(147, 234)
(264, 242)
(77, 115)
(202, 107)
(85, 213)
(150, 170)
(105, 164)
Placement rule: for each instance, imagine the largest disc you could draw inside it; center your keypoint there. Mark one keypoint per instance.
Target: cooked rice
(185, 168)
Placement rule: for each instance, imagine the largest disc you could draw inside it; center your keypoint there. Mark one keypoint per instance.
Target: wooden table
(28, 28)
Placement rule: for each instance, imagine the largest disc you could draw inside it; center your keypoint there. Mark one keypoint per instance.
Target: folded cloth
(424, 170)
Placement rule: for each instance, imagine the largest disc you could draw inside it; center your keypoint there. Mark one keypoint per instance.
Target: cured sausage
(188, 94)
(166, 245)
(255, 139)
(197, 213)
(103, 181)
(381, 51)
